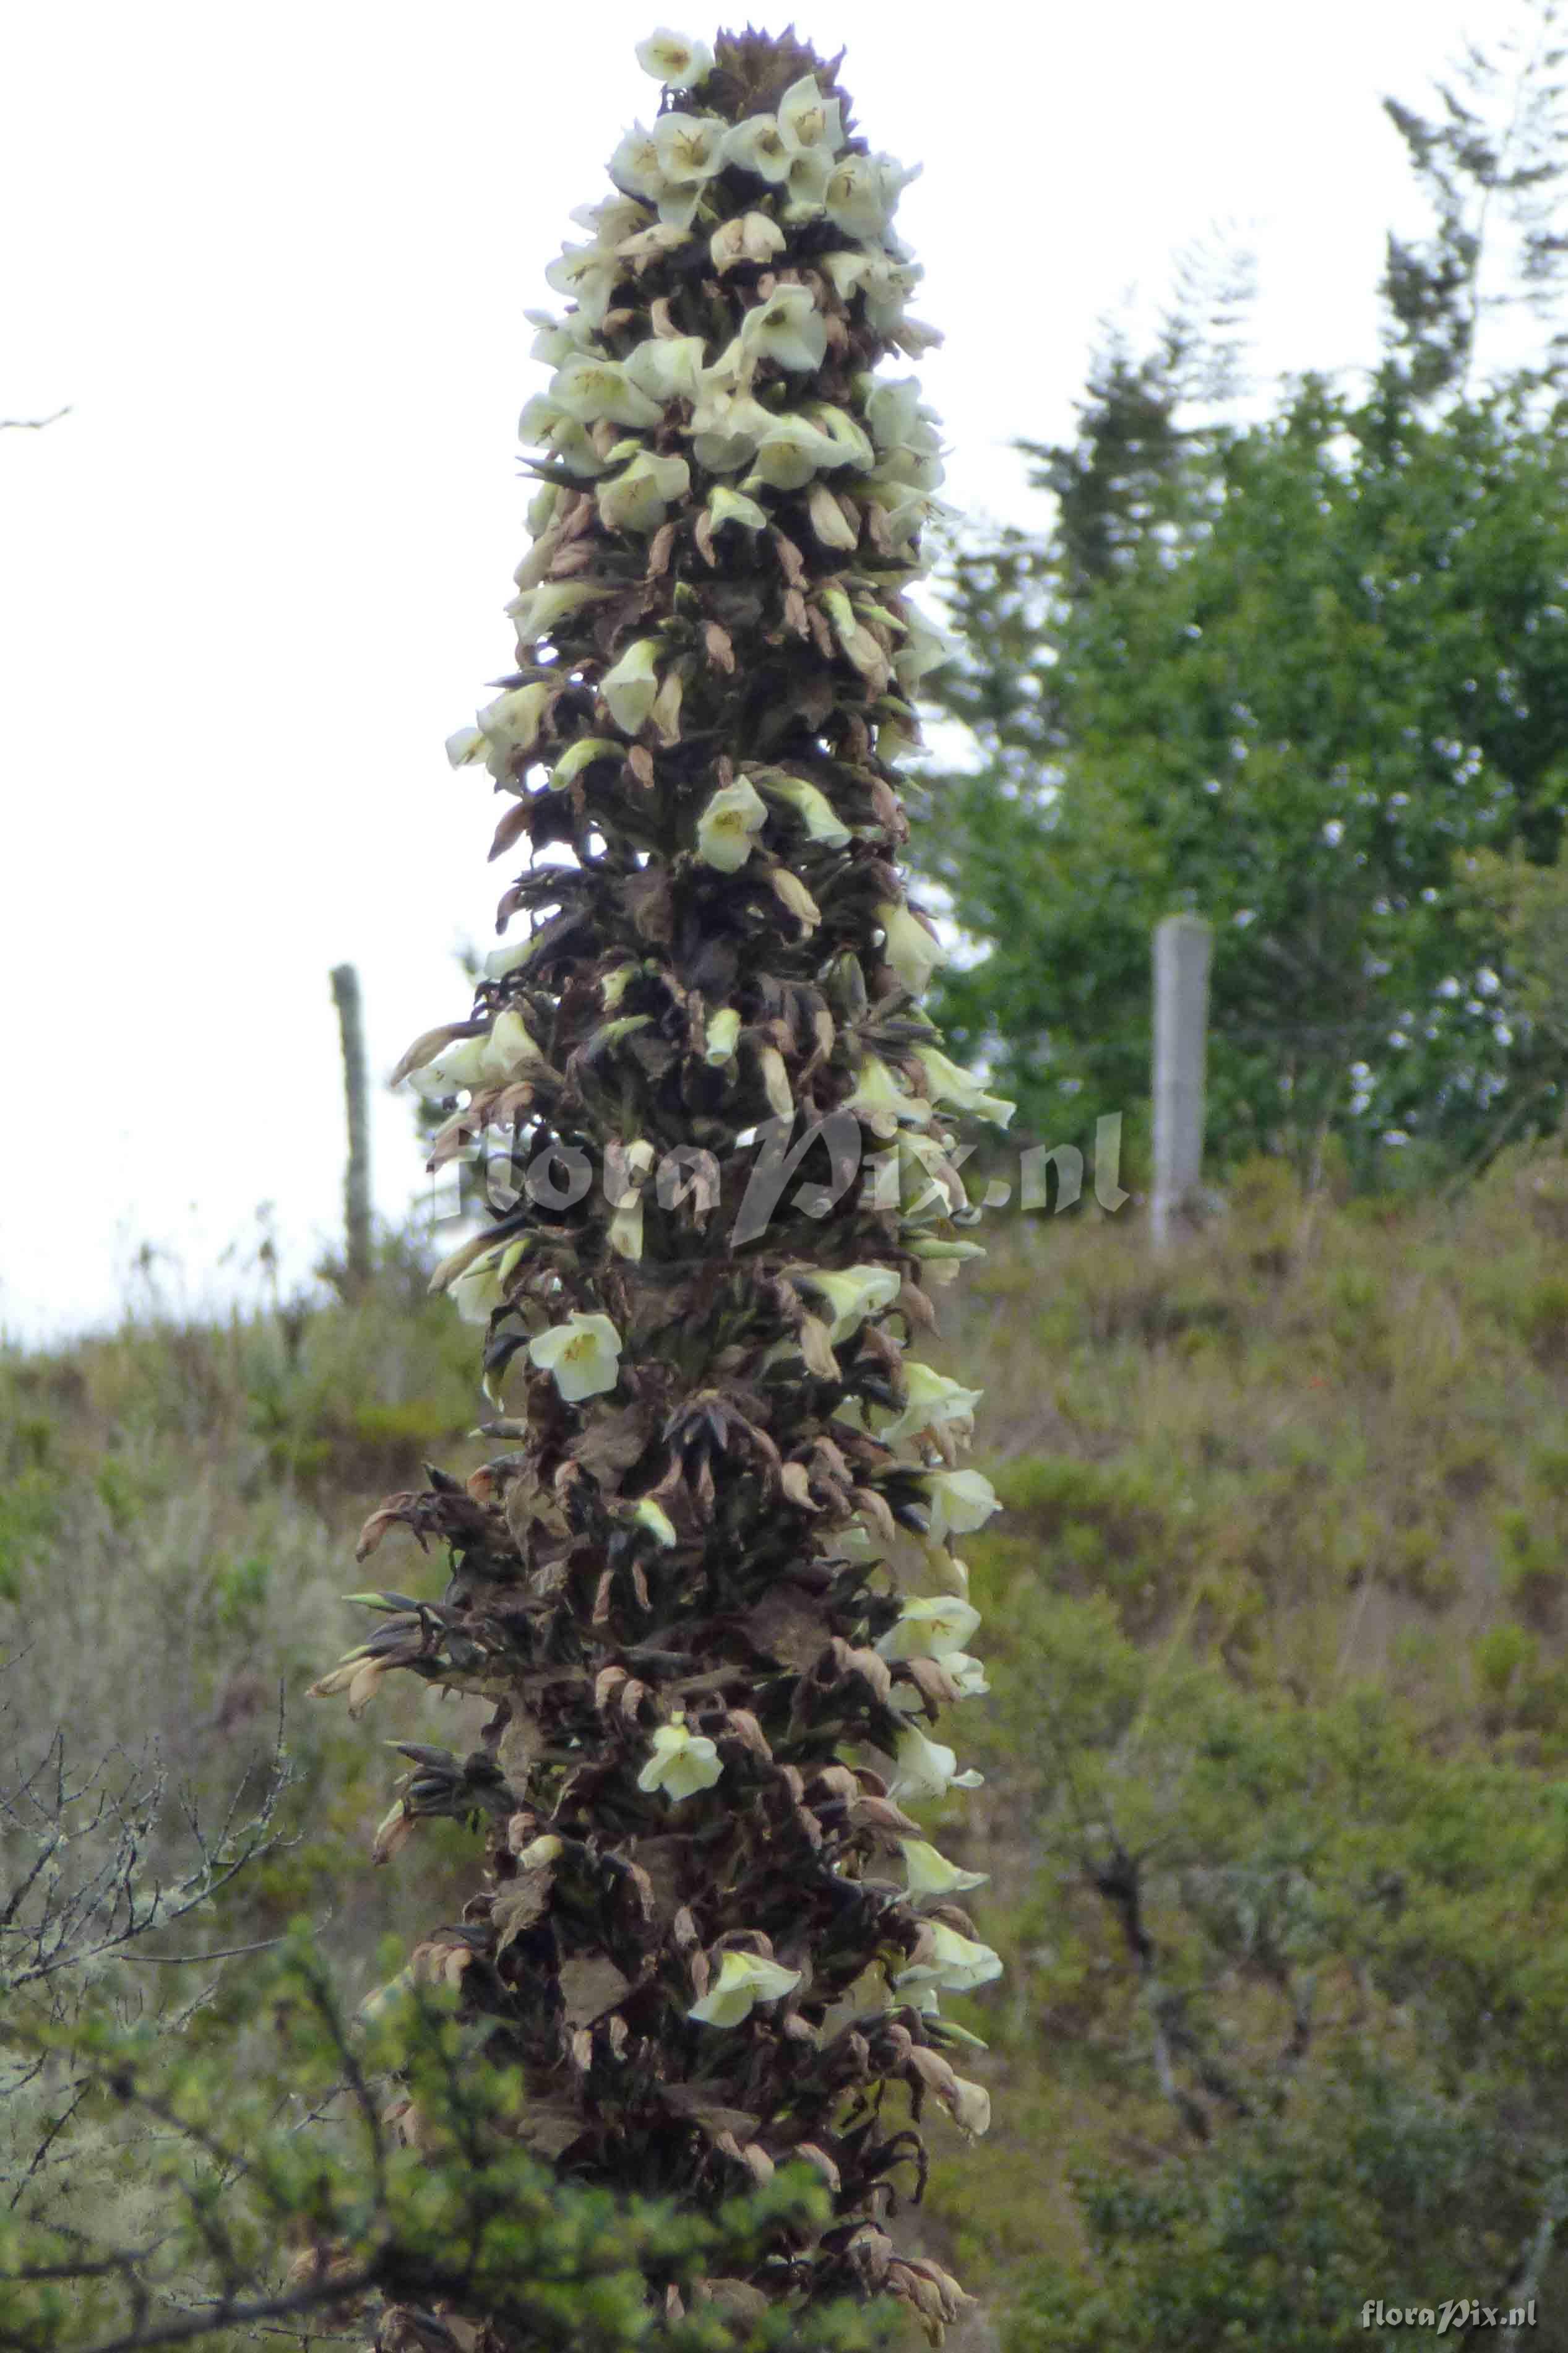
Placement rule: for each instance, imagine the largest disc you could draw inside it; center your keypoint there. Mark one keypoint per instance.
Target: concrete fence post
(356, 1089)
(1182, 948)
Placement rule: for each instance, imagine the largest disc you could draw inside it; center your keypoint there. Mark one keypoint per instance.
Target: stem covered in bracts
(711, 1934)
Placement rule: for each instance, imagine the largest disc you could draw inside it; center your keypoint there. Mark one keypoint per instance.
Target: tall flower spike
(678, 1579)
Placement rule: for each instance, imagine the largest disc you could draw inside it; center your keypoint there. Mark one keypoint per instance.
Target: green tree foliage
(282, 2199)
(1282, 673)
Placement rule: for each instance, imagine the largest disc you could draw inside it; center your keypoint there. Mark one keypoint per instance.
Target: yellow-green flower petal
(682, 1762)
(583, 1355)
(931, 1626)
(727, 829)
(629, 687)
(744, 1979)
(675, 58)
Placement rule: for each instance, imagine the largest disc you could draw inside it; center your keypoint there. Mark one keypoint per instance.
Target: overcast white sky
(277, 260)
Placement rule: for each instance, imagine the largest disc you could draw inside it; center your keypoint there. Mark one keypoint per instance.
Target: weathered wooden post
(356, 1183)
(1182, 949)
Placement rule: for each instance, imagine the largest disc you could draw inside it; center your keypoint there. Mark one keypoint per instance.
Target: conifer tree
(710, 1936)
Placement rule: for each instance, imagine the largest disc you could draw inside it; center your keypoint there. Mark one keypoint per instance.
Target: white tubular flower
(733, 506)
(583, 754)
(840, 427)
(635, 165)
(895, 178)
(923, 1156)
(950, 1084)
(541, 512)
(553, 341)
(504, 728)
(589, 275)
(584, 1354)
(630, 687)
(882, 1103)
(910, 949)
(726, 427)
(757, 146)
(481, 1062)
(933, 1401)
(968, 1673)
(898, 471)
(506, 958)
(538, 419)
(723, 1030)
(668, 367)
(930, 1628)
(509, 1048)
(586, 389)
(657, 1520)
(951, 1574)
(790, 452)
(624, 1233)
(970, 2107)
(806, 187)
(744, 1979)
(682, 1762)
(477, 1277)
(885, 287)
(847, 270)
(477, 1292)
(638, 499)
(727, 829)
(571, 447)
(853, 1294)
(690, 147)
(613, 219)
(932, 1875)
(808, 122)
(897, 419)
(787, 328)
(855, 198)
(675, 58)
(821, 819)
(614, 985)
(957, 1963)
(535, 614)
(927, 1770)
(961, 1502)
(678, 204)
(924, 648)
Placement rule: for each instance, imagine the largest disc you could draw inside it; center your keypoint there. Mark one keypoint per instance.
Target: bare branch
(32, 424)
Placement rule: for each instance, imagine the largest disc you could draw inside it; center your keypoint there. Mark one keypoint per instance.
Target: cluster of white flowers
(592, 420)
(750, 430)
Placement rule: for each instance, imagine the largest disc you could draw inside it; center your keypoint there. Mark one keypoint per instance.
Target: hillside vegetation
(1276, 1807)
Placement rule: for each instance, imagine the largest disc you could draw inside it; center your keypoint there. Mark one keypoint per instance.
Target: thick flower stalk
(709, 1582)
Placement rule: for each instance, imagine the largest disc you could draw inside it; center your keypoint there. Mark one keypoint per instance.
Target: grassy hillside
(1276, 1807)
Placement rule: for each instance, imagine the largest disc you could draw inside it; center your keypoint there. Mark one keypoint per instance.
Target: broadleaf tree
(1290, 674)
